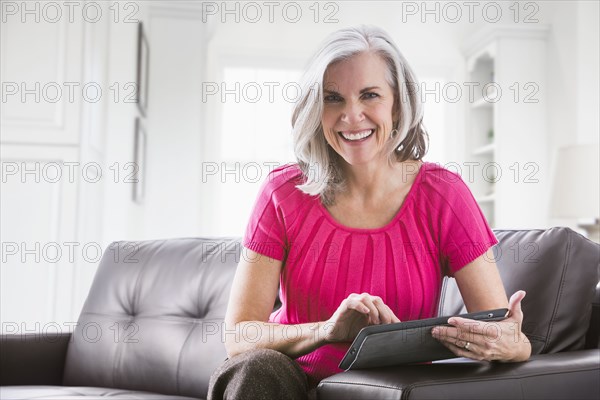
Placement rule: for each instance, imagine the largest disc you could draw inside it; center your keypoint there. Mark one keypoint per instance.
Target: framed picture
(143, 65)
(139, 157)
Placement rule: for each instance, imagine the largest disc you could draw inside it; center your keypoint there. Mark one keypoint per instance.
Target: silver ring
(467, 346)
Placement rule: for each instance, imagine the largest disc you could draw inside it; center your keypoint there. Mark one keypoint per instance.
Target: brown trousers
(260, 374)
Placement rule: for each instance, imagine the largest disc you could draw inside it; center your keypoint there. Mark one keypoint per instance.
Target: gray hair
(319, 163)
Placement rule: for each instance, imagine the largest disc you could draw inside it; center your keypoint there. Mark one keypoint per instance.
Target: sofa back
(559, 270)
(152, 320)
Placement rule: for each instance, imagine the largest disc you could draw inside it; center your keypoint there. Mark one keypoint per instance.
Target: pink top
(438, 230)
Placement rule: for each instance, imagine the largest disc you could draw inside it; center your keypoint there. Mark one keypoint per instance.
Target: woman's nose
(352, 113)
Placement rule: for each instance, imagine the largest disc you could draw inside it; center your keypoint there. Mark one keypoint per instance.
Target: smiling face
(357, 111)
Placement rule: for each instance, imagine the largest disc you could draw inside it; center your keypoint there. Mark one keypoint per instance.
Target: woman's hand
(501, 340)
(353, 314)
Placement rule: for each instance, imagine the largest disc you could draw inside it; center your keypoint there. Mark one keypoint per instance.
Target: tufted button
(201, 312)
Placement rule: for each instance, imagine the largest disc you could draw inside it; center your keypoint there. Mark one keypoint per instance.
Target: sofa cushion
(72, 393)
(152, 320)
(570, 375)
(559, 270)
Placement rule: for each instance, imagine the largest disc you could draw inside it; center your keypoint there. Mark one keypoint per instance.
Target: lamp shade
(576, 191)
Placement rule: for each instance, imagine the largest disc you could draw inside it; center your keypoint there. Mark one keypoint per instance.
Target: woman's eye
(332, 98)
(371, 95)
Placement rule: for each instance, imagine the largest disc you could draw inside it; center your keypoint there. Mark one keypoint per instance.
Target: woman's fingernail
(435, 331)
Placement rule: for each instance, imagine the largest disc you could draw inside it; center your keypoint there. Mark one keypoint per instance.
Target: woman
(361, 231)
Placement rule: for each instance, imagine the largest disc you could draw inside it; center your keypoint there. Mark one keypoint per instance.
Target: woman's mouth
(356, 136)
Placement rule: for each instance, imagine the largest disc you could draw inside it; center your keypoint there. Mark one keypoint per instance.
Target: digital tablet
(405, 342)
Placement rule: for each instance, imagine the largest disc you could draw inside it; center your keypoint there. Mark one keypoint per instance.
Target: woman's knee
(258, 372)
(264, 357)
(263, 362)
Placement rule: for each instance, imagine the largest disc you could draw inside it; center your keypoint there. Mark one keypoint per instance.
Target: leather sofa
(151, 328)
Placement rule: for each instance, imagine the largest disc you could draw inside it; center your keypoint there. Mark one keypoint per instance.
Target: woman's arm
(251, 301)
(253, 294)
(480, 284)
(482, 289)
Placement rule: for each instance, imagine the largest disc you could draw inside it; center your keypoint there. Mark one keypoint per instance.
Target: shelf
(484, 150)
(495, 58)
(490, 98)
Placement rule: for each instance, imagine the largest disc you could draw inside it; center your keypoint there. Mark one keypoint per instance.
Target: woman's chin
(356, 160)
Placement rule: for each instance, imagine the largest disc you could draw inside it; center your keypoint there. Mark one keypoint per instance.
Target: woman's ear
(395, 112)
(395, 119)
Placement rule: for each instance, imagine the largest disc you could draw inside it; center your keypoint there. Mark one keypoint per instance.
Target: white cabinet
(51, 148)
(38, 212)
(505, 143)
(42, 85)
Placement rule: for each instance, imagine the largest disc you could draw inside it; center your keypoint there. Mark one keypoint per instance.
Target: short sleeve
(463, 230)
(265, 232)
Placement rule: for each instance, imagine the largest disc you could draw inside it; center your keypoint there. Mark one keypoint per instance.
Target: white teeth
(358, 135)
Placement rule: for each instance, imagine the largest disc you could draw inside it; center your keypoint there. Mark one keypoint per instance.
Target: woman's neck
(368, 184)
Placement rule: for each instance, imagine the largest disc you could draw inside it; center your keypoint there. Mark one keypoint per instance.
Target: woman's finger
(468, 325)
(357, 305)
(463, 349)
(367, 300)
(514, 306)
(374, 307)
(457, 336)
(393, 318)
(451, 335)
(386, 315)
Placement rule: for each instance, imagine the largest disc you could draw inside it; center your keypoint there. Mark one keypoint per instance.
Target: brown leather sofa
(151, 328)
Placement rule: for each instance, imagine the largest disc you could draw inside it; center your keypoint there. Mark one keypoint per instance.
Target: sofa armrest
(592, 339)
(574, 374)
(33, 359)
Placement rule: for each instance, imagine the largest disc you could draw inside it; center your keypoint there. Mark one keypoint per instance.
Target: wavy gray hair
(319, 163)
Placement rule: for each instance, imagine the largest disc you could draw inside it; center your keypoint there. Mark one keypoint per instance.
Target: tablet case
(405, 342)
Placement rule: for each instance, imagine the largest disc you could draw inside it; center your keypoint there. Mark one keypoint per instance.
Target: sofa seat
(541, 377)
(78, 392)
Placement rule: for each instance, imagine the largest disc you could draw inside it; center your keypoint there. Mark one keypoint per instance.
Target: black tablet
(405, 342)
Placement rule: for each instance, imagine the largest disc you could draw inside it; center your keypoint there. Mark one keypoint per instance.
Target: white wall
(435, 48)
(573, 79)
(187, 48)
(62, 212)
(123, 219)
(588, 65)
(175, 134)
(573, 66)
(432, 50)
